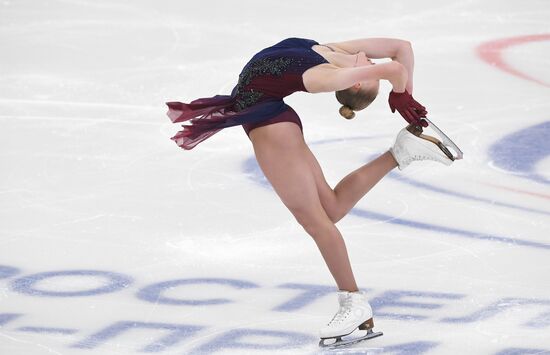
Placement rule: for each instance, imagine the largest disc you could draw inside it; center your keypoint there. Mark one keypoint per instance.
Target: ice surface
(115, 241)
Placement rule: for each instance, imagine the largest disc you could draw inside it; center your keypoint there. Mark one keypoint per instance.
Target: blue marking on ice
(520, 151)
(7, 271)
(47, 330)
(461, 195)
(27, 284)
(446, 230)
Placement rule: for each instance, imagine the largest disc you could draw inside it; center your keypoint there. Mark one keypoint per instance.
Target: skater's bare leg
(340, 200)
(282, 155)
(356, 184)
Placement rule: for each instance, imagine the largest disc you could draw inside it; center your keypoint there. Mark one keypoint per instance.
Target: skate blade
(338, 341)
(444, 144)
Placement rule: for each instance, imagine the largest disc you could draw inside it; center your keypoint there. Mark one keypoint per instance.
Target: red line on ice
(491, 52)
(524, 192)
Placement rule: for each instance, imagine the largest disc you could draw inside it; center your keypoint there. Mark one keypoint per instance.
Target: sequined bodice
(275, 72)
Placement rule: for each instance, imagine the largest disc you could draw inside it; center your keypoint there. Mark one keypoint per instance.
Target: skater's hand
(408, 107)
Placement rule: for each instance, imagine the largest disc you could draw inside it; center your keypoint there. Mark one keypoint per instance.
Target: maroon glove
(408, 107)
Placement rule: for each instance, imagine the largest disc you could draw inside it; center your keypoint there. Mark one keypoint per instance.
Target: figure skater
(275, 130)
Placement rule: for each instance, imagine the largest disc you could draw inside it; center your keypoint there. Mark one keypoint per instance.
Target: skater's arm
(343, 78)
(396, 49)
(405, 56)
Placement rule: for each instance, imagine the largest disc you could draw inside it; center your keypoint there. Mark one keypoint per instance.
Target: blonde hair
(354, 101)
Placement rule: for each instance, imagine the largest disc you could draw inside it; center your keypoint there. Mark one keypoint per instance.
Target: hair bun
(347, 112)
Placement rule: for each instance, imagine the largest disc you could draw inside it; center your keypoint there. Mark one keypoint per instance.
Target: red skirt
(207, 116)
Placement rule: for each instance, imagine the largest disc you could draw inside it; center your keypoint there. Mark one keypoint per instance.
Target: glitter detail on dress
(266, 66)
(246, 99)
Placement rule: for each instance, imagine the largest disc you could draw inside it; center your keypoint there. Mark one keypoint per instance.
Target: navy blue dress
(257, 99)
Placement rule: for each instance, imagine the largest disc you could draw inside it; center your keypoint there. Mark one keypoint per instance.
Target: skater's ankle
(350, 290)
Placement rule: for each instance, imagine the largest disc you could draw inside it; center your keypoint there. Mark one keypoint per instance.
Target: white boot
(355, 312)
(408, 148)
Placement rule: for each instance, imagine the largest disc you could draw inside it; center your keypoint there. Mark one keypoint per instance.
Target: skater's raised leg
(340, 200)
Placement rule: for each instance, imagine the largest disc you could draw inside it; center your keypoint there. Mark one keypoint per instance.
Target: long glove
(408, 107)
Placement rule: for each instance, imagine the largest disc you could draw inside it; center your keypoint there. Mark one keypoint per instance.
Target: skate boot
(411, 145)
(354, 312)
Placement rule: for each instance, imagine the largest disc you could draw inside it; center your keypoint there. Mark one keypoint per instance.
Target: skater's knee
(313, 223)
(318, 229)
(335, 215)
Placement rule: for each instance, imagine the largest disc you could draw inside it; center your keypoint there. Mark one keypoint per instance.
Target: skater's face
(361, 60)
(367, 87)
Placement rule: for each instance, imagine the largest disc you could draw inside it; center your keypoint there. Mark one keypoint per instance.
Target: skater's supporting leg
(351, 188)
(282, 155)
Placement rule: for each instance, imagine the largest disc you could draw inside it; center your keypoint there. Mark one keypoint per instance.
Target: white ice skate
(354, 312)
(412, 145)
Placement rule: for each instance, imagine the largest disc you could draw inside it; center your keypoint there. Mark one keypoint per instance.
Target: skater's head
(357, 97)
(360, 95)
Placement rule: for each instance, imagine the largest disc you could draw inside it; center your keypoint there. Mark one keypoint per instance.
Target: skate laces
(344, 310)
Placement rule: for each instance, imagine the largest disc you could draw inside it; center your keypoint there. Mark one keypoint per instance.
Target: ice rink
(115, 241)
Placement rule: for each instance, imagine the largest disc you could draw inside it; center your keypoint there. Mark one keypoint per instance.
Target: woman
(275, 130)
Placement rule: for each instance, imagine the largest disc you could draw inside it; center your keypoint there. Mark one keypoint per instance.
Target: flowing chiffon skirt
(212, 114)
